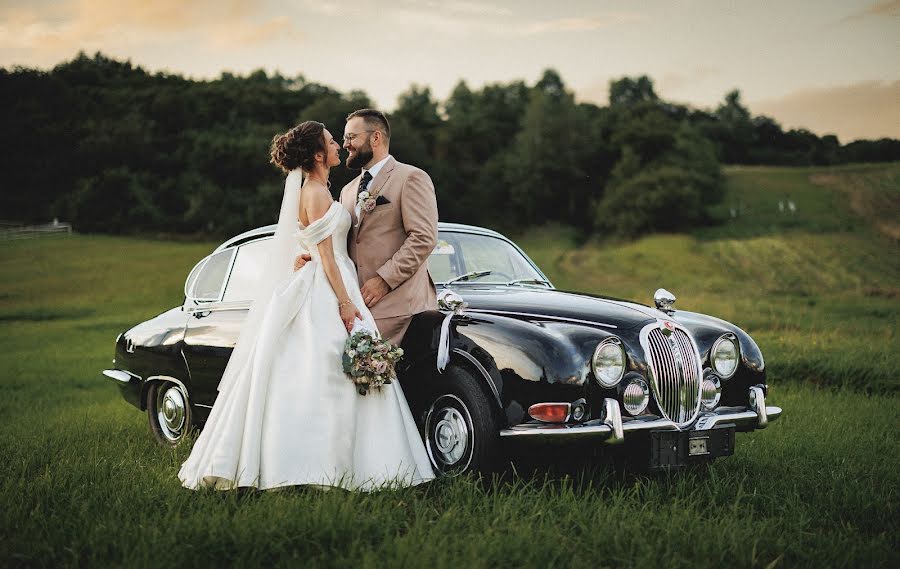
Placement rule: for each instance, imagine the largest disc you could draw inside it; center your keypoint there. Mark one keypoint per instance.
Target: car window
(209, 279)
(245, 274)
(442, 263)
(459, 253)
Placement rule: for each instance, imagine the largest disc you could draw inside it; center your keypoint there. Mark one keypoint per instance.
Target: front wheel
(461, 431)
(169, 412)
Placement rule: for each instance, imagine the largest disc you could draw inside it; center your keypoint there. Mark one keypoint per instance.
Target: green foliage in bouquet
(369, 362)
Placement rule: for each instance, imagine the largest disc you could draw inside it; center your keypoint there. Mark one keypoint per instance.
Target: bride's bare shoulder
(315, 199)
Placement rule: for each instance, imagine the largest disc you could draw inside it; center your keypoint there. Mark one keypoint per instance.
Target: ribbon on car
(448, 300)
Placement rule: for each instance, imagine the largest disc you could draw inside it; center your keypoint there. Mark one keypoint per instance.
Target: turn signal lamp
(551, 412)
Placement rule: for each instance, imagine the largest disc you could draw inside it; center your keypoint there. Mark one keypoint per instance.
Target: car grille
(675, 373)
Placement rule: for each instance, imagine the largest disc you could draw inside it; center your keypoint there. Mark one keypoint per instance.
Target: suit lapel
(377, 184)
(349, 200)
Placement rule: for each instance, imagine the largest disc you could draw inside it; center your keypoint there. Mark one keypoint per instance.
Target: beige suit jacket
(395, 239)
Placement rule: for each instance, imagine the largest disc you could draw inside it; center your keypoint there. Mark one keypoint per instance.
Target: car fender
(152, 350)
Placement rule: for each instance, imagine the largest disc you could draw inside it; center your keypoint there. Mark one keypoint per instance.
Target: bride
(286, 414)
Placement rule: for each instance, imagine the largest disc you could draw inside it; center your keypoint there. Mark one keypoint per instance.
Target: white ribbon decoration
(448, 300)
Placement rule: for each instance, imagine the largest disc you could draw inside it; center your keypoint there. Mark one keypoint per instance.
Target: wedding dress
(286, 413)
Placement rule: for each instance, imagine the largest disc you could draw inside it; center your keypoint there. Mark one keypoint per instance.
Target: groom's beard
(361, 158)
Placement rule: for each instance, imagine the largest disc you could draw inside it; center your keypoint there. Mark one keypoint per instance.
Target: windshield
(458, 254)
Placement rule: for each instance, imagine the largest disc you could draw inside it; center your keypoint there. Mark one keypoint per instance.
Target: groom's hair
(374, 119)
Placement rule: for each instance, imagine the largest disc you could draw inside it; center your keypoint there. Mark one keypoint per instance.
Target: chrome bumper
(613, 429)
(121, 375)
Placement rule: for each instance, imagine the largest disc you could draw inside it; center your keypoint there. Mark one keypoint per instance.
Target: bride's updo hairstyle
(297, 147)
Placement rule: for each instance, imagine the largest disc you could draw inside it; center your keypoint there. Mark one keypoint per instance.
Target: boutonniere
(365, 201)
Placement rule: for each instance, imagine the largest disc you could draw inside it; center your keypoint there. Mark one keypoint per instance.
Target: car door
(217, 301)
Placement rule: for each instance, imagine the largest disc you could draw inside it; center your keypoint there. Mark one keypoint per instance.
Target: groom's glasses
(350, 136)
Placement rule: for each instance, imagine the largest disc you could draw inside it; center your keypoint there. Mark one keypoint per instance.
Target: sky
(827, 65)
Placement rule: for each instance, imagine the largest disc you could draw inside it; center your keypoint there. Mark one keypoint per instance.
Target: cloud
(472, 8)
(877, 9)
(580, 24)
(868, 109)
(673, 81)
(103, 24)
(342, 8)
(243, 34)
(467, 18)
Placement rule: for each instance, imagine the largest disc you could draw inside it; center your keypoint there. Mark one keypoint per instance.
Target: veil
(277, 268)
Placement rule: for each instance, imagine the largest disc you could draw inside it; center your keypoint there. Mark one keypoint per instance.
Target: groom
(394, 227)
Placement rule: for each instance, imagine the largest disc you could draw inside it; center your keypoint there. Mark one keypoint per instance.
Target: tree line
(116, 149)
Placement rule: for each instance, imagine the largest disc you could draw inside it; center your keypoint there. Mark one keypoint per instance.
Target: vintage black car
(528, 365)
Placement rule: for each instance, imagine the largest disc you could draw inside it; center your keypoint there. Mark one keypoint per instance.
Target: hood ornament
(664, 301)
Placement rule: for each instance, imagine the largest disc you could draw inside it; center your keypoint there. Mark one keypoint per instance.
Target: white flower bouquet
(369, 360)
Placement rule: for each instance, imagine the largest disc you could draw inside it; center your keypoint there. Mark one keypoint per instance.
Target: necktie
(366, 178)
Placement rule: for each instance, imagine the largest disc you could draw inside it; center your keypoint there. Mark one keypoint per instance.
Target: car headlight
(724, 356)
(608, 363)
(636, 396)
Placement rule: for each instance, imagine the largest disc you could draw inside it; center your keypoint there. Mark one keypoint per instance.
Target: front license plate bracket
(669, 449)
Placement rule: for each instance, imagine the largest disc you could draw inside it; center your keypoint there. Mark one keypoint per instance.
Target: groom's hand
(301, 260)
(374, 290)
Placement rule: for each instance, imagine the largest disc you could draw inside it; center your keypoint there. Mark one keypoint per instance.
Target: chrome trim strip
(186, 366)
(540, 316)
(219, 307)
(202, 405)
(121, 375)
(484, 372)
(173, 380)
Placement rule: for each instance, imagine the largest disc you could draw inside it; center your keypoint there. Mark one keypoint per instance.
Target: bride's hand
(349, 313)
(301, 260)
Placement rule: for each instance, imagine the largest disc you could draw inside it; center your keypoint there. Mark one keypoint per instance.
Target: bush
(663, 199)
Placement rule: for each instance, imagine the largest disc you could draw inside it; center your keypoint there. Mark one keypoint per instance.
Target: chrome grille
(675, 373)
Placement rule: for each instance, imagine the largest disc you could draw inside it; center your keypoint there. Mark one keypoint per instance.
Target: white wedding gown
(292, 417)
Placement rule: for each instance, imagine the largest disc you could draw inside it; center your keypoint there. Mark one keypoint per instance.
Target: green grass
(82, 483)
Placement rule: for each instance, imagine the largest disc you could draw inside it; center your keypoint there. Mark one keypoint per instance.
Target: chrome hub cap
(449, 436)
(170, 407)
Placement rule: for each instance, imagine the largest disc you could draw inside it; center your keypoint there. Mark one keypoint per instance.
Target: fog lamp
(636, 396)
(579, 410)
(711, 392)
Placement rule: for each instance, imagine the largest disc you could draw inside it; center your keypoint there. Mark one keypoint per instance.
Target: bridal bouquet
(368, 359)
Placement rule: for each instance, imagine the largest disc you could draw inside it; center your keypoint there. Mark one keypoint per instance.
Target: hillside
(801, 282)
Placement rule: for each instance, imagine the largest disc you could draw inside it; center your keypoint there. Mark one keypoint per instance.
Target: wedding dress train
(291, 416)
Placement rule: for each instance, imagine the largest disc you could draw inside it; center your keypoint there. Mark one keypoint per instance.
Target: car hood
(535, 304)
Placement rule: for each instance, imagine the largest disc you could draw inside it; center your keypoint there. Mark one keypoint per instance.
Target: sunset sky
(827, 65)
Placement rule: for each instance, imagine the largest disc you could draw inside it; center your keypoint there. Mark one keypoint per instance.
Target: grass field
(82, 483)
